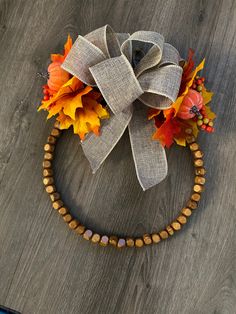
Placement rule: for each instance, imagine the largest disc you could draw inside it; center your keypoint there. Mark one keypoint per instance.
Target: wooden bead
(186, 211)
(48, 181)
(67, 218)
(176, 225)
(139, 242)
(80, 229)
(200, 180)
(182, 219)
(95, 238)
(47, 164)
(121, 243)
(164, 234)
(198, 154)
(130, 242)
(57, 204)
(87, 234)
(170, 230)
(62, 211)
(198, 162)
(49, 148)
(191, 204)
(55, 132)
(73, 224)
(54, 197)
(147, 239)
(193, 147)
(48, 156)
(198, 188)
(51, 139)
(189, 131)
(113, 240)
(57, 125)
(47, 172)
(196, 197)
(104, 241)
(50, 189)
(190, 139)
(200, 171)
(156, 238)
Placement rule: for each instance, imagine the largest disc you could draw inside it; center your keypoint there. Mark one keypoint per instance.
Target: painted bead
(121, 243)
(87, 234)
(104, 240)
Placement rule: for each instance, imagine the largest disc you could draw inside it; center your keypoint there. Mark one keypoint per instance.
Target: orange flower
(77, 105)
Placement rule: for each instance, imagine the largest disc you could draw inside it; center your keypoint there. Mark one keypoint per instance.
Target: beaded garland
(113, 240)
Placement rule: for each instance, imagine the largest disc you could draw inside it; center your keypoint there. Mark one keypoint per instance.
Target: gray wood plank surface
(46, 268)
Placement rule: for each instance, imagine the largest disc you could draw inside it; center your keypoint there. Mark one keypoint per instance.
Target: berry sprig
(198, 83)
(204, 122)
(201, 117)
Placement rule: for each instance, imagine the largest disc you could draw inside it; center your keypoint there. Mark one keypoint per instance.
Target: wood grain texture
(46, 268)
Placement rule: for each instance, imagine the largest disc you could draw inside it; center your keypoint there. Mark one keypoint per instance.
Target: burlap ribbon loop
(130, 71)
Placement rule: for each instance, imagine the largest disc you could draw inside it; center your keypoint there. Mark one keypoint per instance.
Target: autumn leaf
(207, 95)
(168, 130)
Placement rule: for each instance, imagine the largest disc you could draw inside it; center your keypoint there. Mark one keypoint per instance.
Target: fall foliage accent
(190, 107)
(74, 103)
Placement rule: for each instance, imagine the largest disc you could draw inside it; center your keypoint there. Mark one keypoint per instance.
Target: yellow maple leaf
(207, 95)
(190, 79)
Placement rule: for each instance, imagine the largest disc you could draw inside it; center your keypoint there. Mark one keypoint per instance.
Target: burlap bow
(133, 72)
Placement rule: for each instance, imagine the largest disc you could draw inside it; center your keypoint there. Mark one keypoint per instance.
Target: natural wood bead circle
(113, 240)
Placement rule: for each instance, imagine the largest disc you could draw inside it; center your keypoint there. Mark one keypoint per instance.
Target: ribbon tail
(149, 156)
(97, 148)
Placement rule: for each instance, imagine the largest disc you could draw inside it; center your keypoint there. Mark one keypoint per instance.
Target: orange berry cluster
(198, 83)
(204, 122)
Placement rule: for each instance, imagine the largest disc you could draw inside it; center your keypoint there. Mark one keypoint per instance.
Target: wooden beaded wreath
(113, 240)
(138, 82)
